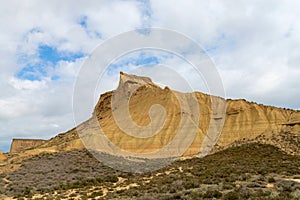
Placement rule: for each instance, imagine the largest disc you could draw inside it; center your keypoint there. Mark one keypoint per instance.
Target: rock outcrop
(19, 145)
(243, 120)
(2, 156)
(129, 115)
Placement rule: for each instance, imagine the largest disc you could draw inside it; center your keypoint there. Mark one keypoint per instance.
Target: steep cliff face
(293, 124)
(19, 145)
(141, 117)
(243, 120)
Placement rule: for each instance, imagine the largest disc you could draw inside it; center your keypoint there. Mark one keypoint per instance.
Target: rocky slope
(19, 145)
(242, 120)
(250, 171)
(257, 150)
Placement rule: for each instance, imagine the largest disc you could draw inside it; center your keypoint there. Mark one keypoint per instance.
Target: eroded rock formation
(2, 156)
(242, 120)
(19, 145)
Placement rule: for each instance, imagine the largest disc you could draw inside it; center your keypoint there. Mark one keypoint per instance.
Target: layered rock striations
(141, 117)
(19, 145)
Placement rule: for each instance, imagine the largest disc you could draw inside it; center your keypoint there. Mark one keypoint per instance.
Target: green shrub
(231, 196)
(212, 194)
(96, 194)
(111, 179)
(271, 180)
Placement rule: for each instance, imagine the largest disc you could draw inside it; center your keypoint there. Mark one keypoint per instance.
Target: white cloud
(257, 45)
(12, 108)
(110, 20)
(26, 84)
(43, 108)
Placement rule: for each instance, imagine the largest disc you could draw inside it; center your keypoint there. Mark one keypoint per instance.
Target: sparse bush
(202, 178)
(271, 180)
(172, 190)
(212, 194)
(96, 194)
(296, 194)
(254, 185)
(112, 179)
(231, 196)
(274, 194)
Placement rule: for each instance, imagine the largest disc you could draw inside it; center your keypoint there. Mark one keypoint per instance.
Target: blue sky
(39, 62)
(47, 57)
(255, 48)
(139, 58)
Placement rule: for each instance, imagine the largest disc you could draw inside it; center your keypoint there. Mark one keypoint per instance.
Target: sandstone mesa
(243, 122)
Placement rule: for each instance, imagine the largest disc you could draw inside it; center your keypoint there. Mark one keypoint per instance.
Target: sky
(255, 46)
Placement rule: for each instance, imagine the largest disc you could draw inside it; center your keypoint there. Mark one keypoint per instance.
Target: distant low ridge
(19, 145)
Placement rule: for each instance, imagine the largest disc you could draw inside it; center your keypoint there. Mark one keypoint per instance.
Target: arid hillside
(205, 116)
(256, 171)
(253, 150)
(238, 121)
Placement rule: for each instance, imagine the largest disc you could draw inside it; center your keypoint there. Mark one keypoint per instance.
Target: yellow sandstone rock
(2, 156)
(140, 117)
(242, 119)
